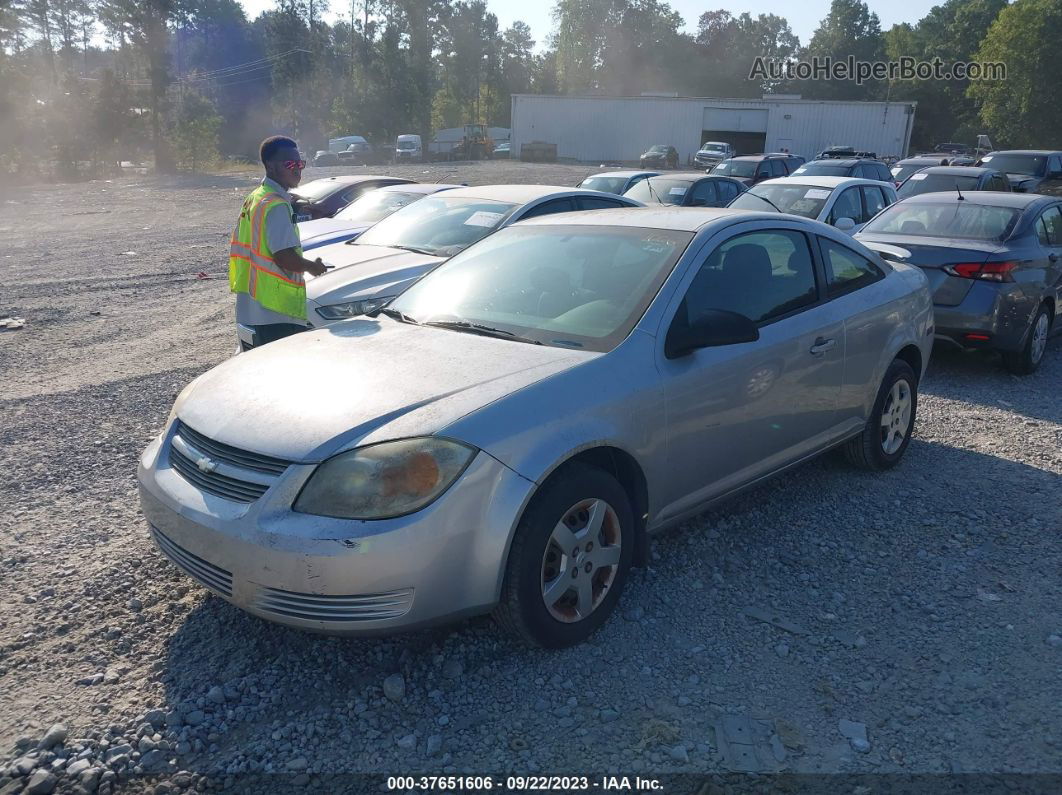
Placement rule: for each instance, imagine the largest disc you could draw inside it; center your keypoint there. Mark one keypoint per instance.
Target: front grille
(316, 607)
(213, 577)
(214, 483)
(260, 470)
(231, 455)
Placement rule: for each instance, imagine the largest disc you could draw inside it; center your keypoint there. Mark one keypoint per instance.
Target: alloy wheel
(581, 560)
(896, 417)
(1039, 338)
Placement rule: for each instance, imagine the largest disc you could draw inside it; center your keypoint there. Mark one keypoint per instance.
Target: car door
(1049, 233)
(850, 278)
(735, 412)
(703, 194)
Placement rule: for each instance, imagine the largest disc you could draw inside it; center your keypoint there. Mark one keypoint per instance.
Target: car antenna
(961, 197)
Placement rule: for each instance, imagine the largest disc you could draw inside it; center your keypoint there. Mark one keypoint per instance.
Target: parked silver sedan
(505, 435)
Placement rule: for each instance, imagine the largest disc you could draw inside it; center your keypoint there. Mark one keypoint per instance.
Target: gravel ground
(900, 623)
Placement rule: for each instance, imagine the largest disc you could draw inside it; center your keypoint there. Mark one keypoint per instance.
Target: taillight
(989, 271)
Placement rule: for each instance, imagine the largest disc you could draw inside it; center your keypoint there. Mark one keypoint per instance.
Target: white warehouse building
(598, 129)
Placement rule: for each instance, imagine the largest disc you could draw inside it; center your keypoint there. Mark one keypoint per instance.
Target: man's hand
(316, 268)
(290, 261)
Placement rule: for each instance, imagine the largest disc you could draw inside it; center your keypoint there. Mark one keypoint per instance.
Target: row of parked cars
(509, 388)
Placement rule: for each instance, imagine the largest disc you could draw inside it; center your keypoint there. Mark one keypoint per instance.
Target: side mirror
(844, 224)
(711, 329)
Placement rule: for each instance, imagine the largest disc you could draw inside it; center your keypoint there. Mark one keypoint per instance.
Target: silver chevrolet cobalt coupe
(505, 434)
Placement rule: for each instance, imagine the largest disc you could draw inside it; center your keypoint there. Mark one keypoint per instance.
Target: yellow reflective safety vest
(252, 269)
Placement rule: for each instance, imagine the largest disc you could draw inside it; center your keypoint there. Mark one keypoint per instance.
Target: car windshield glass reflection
(660, 190)
(376, 205)
(932, 183)
(579, 287)
(736, 168)
(950, 219)
(606, 184)
(805, 200)
(440, 226)
(318, 189)
(1029, 165)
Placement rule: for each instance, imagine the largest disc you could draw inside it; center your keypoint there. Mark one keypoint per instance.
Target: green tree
(1026, 108)
(728, 47)
(196, 132)
(850, 29)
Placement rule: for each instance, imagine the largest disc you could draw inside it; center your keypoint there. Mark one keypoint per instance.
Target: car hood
(362, 271)
(325, 228)
(306, 397)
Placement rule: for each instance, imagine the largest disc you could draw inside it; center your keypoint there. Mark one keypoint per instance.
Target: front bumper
(338, 576)
(1000, 312)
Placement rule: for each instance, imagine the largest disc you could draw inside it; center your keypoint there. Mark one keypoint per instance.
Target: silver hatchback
(507, 433)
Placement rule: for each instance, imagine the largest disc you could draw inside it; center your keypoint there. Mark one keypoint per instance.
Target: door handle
(821, 346)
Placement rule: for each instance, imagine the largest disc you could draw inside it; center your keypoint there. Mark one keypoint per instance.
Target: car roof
(621, 174)
(843, 161)
(919, 159)
(517, 194)
(684, 175)
(681, 219)
(822, 182)
(959, 171)
(1019, 201)
(755, 157)
(1025, 152)
(418, 187)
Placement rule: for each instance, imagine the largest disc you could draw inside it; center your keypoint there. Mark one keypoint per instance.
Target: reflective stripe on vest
(253, 270)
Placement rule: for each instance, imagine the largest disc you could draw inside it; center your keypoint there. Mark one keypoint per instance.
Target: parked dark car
(902, 169)
(686, 189)
(325, 158)
(1029, 170)
(959, 149)
(950, 178)
(323, 198)
(835, 152)
(751, 169)
(660, 156)
(850, 167)
(360, 154)
(994, 264)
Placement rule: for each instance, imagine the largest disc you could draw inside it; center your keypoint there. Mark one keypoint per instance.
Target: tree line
(85, 84)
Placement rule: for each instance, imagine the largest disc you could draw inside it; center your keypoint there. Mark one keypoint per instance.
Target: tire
(1027, 360)
(575, 492)
(870, 450)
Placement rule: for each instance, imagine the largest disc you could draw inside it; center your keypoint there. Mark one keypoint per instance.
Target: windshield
(930, 183)
(660, 190)
(605, 184)
(659, 148)
(805, 200)
(820, 169)
(713, 148)
(318, 189)
(945, 219)
(567, 286)
(437, 225)
(406, 145)
(1030, 165)
(376, 205)
(736, 168)
(900, 172)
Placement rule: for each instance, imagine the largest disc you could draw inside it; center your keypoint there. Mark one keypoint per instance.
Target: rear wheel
(1027, 360)
(887, 433)
(569, 560)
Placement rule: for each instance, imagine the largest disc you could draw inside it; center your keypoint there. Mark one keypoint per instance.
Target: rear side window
(846, 270)
(595, 203)
(548, 208)
(1049, 227)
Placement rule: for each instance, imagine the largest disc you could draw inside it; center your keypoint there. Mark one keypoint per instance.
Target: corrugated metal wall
(621, 128)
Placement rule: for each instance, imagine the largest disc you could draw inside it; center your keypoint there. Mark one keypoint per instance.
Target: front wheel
(887, 432)
(569, 559)
(1027, 360)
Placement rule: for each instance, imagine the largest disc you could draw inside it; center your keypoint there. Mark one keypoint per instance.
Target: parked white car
(846, 203)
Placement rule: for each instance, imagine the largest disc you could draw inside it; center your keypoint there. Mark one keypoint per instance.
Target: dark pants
(271, 333)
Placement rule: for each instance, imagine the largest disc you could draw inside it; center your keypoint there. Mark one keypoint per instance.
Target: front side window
(847, 206)
(845, 269)
(778, 168)
(567, 286)
(762, 275)
(703, 194)
(874, 200)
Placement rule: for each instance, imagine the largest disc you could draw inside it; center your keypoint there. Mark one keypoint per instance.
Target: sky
(537, 13)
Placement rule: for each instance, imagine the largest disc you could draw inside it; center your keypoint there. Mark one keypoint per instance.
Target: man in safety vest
(266, 265)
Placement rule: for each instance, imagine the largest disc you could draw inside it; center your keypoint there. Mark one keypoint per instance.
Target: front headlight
(352, 308)
(384, 480)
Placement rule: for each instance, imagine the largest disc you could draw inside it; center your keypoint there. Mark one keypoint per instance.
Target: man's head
(282, 160)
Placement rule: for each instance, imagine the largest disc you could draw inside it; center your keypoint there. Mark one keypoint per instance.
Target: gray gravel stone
(394, 687)
(54, 736)
(42, 782)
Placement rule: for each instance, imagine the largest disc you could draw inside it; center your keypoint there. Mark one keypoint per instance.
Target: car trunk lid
(947, 290)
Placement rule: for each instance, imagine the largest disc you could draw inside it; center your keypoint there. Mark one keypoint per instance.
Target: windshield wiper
(761, 198)
(478, 328)
(418, 250)
(396, 314)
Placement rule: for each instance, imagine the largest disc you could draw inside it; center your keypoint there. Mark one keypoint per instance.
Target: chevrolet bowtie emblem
(206, 465)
